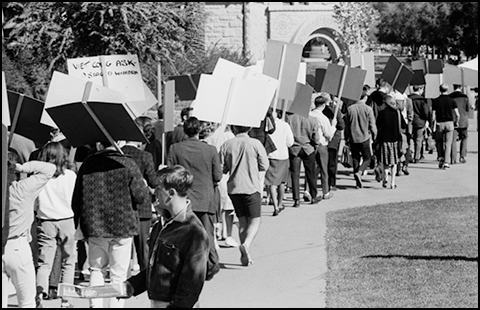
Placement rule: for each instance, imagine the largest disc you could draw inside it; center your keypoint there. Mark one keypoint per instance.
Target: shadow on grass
(422, 257)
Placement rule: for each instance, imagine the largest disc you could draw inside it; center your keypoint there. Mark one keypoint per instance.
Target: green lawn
(411, 254)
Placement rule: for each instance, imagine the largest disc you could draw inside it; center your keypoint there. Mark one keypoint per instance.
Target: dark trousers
(361, 151)
(322, 167)
(81, 254)
(208, 220)
(332, 167)
(140, 242)
(310, 175)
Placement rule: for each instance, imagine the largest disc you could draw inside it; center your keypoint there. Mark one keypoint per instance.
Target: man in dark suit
(203, 161)
(144, 161)
(421, 114)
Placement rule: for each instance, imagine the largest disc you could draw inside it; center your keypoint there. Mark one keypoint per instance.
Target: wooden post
(340, 90)
(15, 118)
(280, 73)
(86, 94)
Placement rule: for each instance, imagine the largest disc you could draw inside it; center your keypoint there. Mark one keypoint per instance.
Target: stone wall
(224, 25)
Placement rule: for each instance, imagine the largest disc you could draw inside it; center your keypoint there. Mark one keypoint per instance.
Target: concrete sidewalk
(290, 250)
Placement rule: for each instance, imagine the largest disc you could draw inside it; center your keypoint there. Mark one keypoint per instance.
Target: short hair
(160, 112)
(192, 126)
(390, 101)
(176, 177)
(443, 88)
(417, 87)
(146, 125)
(12, 159)
(240, 129)
(380, 82)
(322, 98)
(54, 153)
(185, 112)
(457, 86)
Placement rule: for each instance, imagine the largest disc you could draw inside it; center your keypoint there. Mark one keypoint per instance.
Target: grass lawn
(404, 255)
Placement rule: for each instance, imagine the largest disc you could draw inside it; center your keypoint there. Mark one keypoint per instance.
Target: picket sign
(335, 79)
(397, 74)
(4, 171)
(365, 61)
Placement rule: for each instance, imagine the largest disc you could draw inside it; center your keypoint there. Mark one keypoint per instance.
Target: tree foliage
(355, 20)
(52, 32)
(450, 27)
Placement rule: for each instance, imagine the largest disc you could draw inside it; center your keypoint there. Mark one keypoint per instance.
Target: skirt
(390, 153)
(277, 173)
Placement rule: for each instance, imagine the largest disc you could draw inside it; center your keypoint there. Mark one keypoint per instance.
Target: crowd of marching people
(93, 208)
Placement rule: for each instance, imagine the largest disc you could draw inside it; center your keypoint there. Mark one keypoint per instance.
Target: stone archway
(324, 28)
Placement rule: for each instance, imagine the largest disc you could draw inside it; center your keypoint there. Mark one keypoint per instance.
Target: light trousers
(105, 252)
(17, 265)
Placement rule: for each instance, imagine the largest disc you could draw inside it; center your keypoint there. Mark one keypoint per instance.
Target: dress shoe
(316, 200)
(405, 170)
(328, 195)
(296, 203)
(463, 160)
(306, 196)
(276, 212)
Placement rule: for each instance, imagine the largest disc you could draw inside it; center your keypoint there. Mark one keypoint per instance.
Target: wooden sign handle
(86, 94)
(223, 124)
(280, 74)
(16, 116)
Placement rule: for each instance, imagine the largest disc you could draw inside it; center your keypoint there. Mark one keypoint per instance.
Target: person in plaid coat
(144, 161)
(108, 188)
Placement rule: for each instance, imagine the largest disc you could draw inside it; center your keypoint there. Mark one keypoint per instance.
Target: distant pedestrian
(306, 141)
(360, 130)
(334, 144)
(444, 109)
(278, 170)
(389, 138)
(421, 115)
(243, 158)
(461, 132)
(203, 161)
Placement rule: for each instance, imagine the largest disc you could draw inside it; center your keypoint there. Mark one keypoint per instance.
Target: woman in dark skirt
(389, 138)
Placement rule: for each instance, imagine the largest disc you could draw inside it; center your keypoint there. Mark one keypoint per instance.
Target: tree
(356, 20)
(52, 32)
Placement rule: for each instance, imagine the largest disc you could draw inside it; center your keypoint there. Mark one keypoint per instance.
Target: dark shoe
(296, 203)
(276, 212)
(405, 170)
(316, 200)
(328, 195)
(463, 160)
(307, 197)
(281, 208)
(358, 179)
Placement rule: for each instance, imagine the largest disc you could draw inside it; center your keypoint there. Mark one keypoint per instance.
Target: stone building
(247, 26)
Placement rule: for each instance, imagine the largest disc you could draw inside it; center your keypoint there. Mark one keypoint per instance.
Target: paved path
(290, 250)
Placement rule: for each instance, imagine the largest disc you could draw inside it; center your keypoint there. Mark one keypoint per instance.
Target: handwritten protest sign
(88, 113)
(122, 73)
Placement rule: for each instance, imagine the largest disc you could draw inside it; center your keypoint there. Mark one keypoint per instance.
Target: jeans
(361, 151)
(322, 164)
(104, 252)
(445, 131)
(17, 265)
(49, 234)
